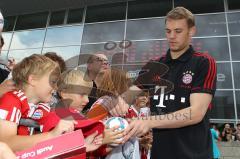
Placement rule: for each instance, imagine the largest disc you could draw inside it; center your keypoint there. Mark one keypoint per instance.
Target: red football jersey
(14, 106)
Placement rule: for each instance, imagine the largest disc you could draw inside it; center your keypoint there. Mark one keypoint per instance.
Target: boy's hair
(53, 56)
(114, 82)
(72, 81)
(181, 13)
(35, 64)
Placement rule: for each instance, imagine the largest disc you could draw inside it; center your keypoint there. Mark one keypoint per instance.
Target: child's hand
(112, 136)
(64, 126)
(93, 142)
(146, 141)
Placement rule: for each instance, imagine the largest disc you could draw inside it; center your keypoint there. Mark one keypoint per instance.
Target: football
(116, 121)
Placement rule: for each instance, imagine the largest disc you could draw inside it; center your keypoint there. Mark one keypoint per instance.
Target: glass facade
(135, 28)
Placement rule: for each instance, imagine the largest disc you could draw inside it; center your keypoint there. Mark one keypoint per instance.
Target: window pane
(57, 17)
(217, 47)
(106, 12)
(4, 55)
(233, 4)
(31, 21)
(75, 16)
(146, 29)
(203, 6)
(103, 32)
(9, 23)
(234, 23)
(133, 69)
(236, 74)
(69, 54)
(211, 25)
(148, 8)
(143, 51)
(62, 36)
(223, 107)
(18, 55)
(27, 39)
(235, 48)
(224, 77)
(238, 103)
(7, 38)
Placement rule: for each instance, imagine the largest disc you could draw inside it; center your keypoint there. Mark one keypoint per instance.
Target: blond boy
(35, 78)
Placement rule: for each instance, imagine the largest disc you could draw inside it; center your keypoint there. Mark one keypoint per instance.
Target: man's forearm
(181, 118)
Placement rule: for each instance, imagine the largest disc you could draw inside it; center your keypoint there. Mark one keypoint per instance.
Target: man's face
(178, 34)
(98, 64)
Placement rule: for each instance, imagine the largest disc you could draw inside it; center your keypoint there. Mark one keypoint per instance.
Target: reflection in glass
(145, 29)
(143, 51)
(62, 36)
(69, 54)
(238, 103)
(235, 48)
(234, 23)
(103, 32)
(236, 74)
(18, 55)
(99, 48)
(7, 38)
(27, 39)
(224, 77)
(216, 47)
(211, 25)
(223, 106)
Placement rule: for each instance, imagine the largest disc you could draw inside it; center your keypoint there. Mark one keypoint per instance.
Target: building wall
(139, 24)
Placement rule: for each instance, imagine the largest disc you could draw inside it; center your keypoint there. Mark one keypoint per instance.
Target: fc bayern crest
(38, 114)
(187, 77)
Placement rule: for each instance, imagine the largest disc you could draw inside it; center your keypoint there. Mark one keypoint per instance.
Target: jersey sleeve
(205, 78)
(10, 108)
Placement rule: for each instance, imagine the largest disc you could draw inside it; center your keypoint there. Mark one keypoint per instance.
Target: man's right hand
(64, 126)
(7, 86)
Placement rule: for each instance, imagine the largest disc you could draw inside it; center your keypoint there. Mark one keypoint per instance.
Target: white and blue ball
(119, 122)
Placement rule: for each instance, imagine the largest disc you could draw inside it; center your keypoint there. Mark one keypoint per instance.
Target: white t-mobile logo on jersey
(161, 95)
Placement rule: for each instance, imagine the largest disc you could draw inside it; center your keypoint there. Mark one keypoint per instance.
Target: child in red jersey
(35, 78)
(73, 90)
